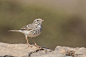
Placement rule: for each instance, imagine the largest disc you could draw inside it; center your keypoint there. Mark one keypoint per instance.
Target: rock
(47, 54)
(81, 52)
(15, 49)
(74, 52)
(53, 55)
(68, 56)
(66, 50)
(22, 50)
(19, 50)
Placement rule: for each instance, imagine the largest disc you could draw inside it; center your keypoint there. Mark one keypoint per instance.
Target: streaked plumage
(31, 30)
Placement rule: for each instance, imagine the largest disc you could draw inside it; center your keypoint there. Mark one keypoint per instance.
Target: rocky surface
(22, 50)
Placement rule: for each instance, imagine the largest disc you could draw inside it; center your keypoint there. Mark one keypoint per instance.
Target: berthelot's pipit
(31, 30)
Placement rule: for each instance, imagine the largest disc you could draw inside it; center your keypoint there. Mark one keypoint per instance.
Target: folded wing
(27, 27)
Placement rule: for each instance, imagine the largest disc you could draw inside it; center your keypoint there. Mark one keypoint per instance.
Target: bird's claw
(29, 46)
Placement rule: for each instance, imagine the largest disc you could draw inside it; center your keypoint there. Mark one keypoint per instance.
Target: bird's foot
(38, 46)
(29, 45)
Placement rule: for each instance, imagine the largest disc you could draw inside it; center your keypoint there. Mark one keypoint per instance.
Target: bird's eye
(37, 20)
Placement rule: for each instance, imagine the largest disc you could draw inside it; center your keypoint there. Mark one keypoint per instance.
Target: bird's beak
(42, 20)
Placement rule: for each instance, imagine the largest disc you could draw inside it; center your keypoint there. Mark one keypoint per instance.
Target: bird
(31, 30)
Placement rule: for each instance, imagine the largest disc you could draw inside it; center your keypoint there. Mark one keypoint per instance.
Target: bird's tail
(15, 30)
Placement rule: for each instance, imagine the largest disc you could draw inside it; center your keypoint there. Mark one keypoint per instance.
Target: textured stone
(81, 52)
(22, 50)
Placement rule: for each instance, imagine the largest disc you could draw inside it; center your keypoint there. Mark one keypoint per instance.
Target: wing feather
(27, 27)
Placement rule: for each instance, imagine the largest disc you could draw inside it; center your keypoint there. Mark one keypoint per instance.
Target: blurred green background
(64, 25)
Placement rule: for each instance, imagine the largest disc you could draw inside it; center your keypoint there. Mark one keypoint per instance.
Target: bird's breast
(34, 32)
(37, 31)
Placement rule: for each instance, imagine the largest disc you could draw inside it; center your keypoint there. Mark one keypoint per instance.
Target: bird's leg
(34, 41)
(36, 44)
(28, 42)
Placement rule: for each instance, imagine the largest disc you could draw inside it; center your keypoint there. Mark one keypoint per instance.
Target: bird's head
(38, 21)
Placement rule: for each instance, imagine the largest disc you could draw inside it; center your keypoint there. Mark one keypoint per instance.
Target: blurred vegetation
(59, 27)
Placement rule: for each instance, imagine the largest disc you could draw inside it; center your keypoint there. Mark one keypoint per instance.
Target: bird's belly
(35, 33)
(31, 35)
(26, 32)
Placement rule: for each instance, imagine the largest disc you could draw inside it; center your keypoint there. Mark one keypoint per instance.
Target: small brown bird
(31, 30)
